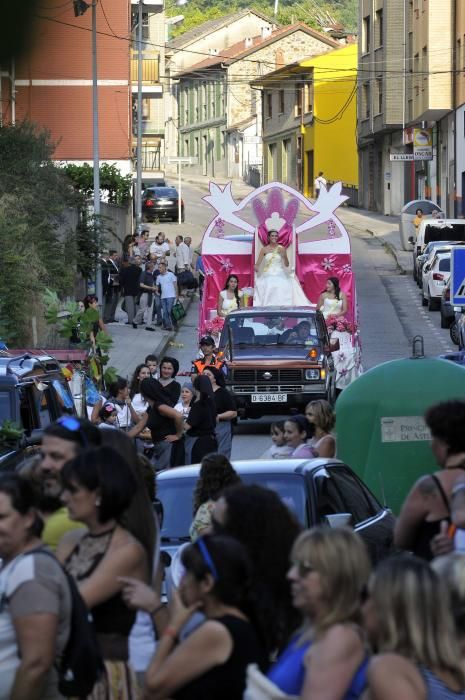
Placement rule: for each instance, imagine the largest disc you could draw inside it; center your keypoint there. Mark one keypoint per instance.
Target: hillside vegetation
(315, 13)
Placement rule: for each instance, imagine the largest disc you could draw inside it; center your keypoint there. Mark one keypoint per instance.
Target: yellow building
(330, 140)
(310, 121)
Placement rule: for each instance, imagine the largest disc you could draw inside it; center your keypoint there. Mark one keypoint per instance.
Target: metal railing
(150, 68)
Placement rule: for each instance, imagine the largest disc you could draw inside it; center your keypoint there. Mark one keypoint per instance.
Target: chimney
(248, 42)
(266, 31)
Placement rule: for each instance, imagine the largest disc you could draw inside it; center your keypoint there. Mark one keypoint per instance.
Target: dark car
(272, 363)
(316, 491)
(457, 329)
(33, 394)
(447, 310)
(161, 203)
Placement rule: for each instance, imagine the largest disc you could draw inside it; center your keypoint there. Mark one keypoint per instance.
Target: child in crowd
(279, 449)
(108, 416)
(151, 361)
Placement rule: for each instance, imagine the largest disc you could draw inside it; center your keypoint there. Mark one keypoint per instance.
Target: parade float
(317, 247)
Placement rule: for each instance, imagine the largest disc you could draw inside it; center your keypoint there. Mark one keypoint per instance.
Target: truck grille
(250, 376)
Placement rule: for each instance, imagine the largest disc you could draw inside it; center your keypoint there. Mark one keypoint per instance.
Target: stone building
(220, 117)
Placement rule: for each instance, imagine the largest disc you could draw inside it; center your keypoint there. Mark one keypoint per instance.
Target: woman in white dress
(332, 302)
(273, 285)
(229, 298)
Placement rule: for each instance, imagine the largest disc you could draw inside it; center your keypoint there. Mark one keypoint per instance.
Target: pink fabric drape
(284, 235)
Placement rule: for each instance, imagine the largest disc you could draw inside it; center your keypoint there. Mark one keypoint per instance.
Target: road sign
(184, 160)
(457, 276)
(405, 156)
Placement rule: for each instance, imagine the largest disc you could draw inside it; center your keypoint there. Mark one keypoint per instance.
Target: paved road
(390, 310)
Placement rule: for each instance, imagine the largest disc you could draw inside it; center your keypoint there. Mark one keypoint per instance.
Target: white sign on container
(404, 429)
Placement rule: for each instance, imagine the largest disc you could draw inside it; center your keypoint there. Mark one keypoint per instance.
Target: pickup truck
(277, 358)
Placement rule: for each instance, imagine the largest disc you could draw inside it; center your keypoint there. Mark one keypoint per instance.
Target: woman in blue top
(327, 657)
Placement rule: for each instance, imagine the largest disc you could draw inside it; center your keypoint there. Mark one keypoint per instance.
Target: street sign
(457, 276)
(405, 156)
(184, 160)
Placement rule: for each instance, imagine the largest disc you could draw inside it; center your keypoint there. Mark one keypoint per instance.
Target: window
(271, 161)
(299, 94)
(366, 28)
(186, 147)
(366, 101)
(146, 109)
(212, 101)
(379, 28)
(463, 57)
(269, 105)
(379, 92)
(196, 146)
(196, 103)
(339, 491)
(204, 101)
(309, 97)
(285, 160)
(424, 68)
(281, 101)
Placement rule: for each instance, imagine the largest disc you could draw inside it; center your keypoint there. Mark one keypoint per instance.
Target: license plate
(269, 398)
(166, 201)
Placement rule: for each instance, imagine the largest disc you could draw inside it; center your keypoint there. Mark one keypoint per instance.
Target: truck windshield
(268, 329)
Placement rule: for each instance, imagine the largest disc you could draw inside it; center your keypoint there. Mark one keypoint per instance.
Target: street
(390, 309)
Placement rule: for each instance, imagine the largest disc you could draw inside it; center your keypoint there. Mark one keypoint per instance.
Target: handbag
(178, 311)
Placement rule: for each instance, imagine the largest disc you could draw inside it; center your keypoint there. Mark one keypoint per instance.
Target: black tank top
(430, 528)
(227, 680)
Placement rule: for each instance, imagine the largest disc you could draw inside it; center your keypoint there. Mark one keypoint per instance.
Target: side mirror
(411, 240)
(339, 520)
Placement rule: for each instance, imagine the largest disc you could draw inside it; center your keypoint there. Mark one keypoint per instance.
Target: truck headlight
(312, 374)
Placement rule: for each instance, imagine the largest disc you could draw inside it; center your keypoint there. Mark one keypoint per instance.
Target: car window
(176, 496)
(163, 192)
(428, 208)
(339, 491)
(5, 406)
(44, 405)
(444, 265)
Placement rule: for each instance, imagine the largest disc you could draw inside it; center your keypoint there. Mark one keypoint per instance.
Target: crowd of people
(262, 609)
(147, 279)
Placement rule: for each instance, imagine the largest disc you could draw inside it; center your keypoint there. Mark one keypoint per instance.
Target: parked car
(316, 491)
(447, 310)
(407, 216)
(457, 329)
(419, 260)
(436, 273)
(161, 202)
(33, 394)
(448, 231)
(268, 369)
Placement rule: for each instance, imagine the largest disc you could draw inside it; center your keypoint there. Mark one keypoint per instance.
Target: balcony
(150, 73)
(151, 155)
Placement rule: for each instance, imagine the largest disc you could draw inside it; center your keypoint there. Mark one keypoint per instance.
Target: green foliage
(10, 433)
(117, 187)
(91, 236)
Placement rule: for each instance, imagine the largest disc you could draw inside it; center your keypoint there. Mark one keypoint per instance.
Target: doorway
(310, 174)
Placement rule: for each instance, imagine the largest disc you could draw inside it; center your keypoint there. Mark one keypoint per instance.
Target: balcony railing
(151, 155)
(150, 68)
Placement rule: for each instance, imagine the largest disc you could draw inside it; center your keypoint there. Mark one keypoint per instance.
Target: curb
(391, 250)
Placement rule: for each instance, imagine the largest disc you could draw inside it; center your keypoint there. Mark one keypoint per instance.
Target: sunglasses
(206, 556)
(73, 425)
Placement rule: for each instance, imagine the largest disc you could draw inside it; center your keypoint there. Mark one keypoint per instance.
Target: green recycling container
(381, 433)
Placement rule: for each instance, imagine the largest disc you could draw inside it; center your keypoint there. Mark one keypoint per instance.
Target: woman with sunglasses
(327, 657)
(211, 662)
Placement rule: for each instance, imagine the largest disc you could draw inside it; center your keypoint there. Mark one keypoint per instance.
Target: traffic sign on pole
(457, 276)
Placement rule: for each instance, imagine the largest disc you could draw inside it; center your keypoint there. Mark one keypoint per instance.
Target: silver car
(407, 216)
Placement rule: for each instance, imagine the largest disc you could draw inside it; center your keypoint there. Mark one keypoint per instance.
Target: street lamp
(80, 7)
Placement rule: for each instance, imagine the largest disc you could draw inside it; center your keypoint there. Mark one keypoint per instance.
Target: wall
(53, 83)
(460, 159)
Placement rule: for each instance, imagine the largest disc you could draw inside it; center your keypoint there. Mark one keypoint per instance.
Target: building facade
(220, 117)
(309, 123)
(51, 84)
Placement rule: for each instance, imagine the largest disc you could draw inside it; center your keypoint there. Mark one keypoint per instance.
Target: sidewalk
(131, 346)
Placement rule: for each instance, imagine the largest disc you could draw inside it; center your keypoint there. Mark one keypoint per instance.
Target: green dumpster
(381, 433)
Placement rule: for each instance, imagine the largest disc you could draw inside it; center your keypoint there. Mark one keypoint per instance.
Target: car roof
(253, 466)
(20, 365)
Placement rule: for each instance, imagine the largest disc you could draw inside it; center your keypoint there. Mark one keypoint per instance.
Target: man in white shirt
(182, 255)
(168, 293)
(320, 182)
(160, 247)
(188, 242)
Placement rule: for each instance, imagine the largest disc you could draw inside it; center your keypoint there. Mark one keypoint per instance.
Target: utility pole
(96, 145)
(139, 122)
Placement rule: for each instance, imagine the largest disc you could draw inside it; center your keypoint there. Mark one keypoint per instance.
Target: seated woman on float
(230, 298)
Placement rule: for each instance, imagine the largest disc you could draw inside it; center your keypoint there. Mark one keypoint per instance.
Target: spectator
(178, 453)
(215, 656)
(226, 410)
(111, 286)
(427, 503)
(182, 255)
(147, 289)
(139, 404)
(129, 277)
(295, 435)
(119, 393)
(329, 570)
(208, 357)
(156, 307)
(91, 302)
(188, 242)
(98, 486)
(322, 419)
(160, 248)
(35, 607)
(61, 441)
(410, 624)
(164, 423)
(108, 416)
(320, 181)
(142, 245)
(258, 518)
(151, 361)
(169, 367)
(168, 294)
(418, 219)
(451, 570)
(216, 474)
(279, 447)
(200, 437)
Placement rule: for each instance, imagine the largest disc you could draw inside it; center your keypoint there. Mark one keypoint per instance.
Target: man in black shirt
(111, 285)
(129, 277)
(147, 288)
